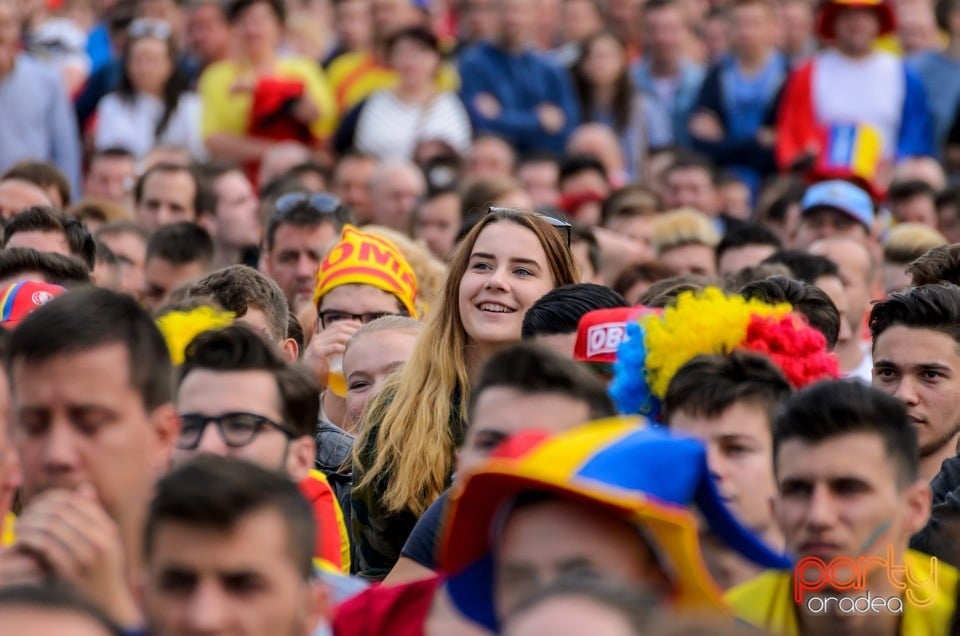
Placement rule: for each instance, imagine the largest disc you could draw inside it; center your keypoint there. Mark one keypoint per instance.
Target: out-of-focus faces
(437, 223)
(237, 217)
(692, 258)
(149, 65)
(856, 29)
(208, 34)
(131, 251)
(353, 23)
(111, 178)
(353, 184)
(691, 187)
(605, 61)
(257, 30)
(17, 195)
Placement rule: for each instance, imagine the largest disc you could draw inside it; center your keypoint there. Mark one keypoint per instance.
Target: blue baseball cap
(842, 196)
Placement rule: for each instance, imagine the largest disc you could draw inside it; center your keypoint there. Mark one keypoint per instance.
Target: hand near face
(70, 534)
(328, 343)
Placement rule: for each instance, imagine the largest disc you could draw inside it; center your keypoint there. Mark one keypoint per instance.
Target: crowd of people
(429, 317)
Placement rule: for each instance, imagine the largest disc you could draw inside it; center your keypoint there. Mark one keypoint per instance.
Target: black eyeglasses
(332, 316)
(565, 227)
(320, 202)
(236, 429)
(148, 28)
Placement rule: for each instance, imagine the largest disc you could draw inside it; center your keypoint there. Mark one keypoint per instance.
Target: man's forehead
(908, 346)
(830, 457)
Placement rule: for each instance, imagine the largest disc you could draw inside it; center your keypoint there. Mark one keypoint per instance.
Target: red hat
(600, 333)
(830, 8)
(19, 300)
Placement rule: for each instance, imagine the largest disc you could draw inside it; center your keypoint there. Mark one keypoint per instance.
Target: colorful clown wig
(711, 322)
(180, 326)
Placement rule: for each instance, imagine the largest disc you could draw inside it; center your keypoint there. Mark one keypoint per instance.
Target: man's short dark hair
(664, 293)
(114, 228)
(238, 348)
(94, 317)
(42, 174)
(934, 307)
(648, 271)
(181, 243)
(572, 165)
(688, 159)
(201, 193)
(52, 599)
(238, 288)
(901, 191)
(710, 384)
(807, 299)
(217, 493)
(303, 215)
(295, 331)
(234, 8)
(559, 311)
(43, 218)
(533, 369)
(744, 235)
(56, 269)
(841, 407)
(941, 264)
(112, 152)
(805, 267)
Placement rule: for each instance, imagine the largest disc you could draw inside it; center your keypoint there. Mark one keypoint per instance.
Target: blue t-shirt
(421, 545)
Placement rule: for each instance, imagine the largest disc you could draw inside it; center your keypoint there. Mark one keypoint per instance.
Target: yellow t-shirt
(767, 601)
(226, 111)
(354, 76)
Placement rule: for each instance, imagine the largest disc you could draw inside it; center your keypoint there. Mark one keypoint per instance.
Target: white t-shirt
(132, 124)
(390, 129)
(869, 90)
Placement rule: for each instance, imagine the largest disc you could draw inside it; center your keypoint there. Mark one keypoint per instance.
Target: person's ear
(917, 501)
(290, 349)
(301, 456)
(165, 427)
(319, 607)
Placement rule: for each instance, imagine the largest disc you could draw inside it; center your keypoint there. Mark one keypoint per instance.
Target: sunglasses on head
(149, 28)
(320, 202)
(563, 226)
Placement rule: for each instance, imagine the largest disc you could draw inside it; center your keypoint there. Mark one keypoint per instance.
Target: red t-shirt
(399, 610)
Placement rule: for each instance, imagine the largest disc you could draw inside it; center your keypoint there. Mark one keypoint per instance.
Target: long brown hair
(413, 446)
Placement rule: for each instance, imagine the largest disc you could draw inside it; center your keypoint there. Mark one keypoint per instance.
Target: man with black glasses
(237, 397)
(300, 228)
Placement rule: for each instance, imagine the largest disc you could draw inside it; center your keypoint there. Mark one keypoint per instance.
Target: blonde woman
(404, 453)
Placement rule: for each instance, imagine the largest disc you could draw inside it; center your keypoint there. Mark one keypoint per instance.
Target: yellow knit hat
(365, 259)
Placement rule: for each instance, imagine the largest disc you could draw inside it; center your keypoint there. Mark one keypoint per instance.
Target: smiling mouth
(495, 308)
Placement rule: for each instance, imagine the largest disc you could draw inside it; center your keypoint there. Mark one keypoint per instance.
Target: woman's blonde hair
(685, 226)
(407, 429)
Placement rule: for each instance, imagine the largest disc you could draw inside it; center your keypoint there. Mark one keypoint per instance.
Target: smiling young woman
(403, 457)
